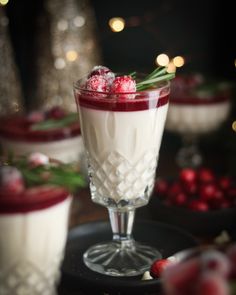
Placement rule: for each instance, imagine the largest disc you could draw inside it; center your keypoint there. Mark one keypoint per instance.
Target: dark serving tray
(78, 279)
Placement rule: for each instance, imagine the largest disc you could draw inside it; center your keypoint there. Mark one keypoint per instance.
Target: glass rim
(77, 85)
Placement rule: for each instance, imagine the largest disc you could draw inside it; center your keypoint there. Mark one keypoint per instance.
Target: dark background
(201, 31)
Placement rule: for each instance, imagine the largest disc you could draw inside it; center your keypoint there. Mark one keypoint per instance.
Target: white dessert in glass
(122, 130)
(33, 232)
(196, 108)
(35, 198)
(64, 143)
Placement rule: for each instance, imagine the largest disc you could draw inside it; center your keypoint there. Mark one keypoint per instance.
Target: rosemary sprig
(65, 175)
(55, 123)
(159, 74)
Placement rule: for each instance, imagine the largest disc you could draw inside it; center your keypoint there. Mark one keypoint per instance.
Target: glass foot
(123, 258)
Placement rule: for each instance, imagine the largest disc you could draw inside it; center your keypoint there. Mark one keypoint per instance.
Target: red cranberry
(158, 266)
(11, 180)
(231, 194)
(124, 84)
(187, 175)
(216, 201)
(198, 205)
(190, 188)
(99, 70)
(207, 192)
(212, 284)
(225, 182)
(180, 199)
(205, 175)
(161, 187)
(97, 83)
(174, 189)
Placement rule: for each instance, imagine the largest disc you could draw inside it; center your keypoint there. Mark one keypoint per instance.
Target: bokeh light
(162, 60)
(234, 126)
(3, 2)
(117, 24)
(178, 61)
(71, 55)
(171, 68)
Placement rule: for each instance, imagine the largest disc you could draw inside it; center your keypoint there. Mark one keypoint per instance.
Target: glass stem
(122, 226)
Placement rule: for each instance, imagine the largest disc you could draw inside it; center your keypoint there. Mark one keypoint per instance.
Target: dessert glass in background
(33, 229)
(53, 133)
(122, 134)
(197, 107)
(33, 232)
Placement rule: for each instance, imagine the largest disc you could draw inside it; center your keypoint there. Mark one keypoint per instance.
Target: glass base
(121, 258)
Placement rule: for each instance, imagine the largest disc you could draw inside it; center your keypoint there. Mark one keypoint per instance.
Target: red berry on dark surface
(158, 266)
(190, 188)
(205, 175)
(161, 187)
(174, 189)
(187, 175)
(179, 199)
(198, 205)
(207, 192)
(225, 182)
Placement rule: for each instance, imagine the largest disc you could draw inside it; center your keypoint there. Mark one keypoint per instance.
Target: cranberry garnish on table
(198, 190)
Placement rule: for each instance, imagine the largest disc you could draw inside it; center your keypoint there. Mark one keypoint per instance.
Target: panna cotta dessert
(35, 203)
(122, 121)
(197, 107)
(122, 134)
(53, 133)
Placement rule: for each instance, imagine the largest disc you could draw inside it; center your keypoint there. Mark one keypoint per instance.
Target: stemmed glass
(197, 108)
(122, 134)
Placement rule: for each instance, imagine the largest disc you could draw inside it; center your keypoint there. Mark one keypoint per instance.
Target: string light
(234, 126)
(178, 61)
(162, 60)
(3, 2)
(171, 68)
(117, 24)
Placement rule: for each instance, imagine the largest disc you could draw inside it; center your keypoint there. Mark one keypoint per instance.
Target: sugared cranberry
(205, 175)
(215, 261)
(55, 113)
(212, 284)
(97, 83)
(103, 71)
(37, 159)
(178, 278)
(207, 192)
(11, 180)
(123, 84)
(158, 266)
(198, 205)
(187, 175)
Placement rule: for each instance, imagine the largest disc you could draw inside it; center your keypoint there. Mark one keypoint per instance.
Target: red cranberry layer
(18, 128)
(143, 100)
(32, 199)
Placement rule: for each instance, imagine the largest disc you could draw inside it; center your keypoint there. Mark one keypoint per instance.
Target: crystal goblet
(122, 135)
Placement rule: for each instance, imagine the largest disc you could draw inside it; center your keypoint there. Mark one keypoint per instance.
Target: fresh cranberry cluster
(207, 272)
(102, 79)
(199, 190)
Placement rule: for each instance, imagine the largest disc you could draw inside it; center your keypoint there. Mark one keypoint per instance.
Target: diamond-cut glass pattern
(24, 278)
(118, 179)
